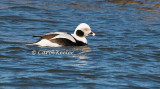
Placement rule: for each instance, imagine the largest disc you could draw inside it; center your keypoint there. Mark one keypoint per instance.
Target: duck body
(58, 39)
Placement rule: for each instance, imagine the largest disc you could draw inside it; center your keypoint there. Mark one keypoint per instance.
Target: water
(124, 54)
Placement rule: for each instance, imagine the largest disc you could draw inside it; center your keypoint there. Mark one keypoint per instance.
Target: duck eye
(79, 33)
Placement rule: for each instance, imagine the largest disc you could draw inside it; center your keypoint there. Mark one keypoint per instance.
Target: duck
(59, 39)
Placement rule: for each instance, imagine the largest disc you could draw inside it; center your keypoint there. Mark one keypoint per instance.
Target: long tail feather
(37, 36)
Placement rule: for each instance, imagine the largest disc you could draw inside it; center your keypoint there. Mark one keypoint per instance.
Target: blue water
(124, 54)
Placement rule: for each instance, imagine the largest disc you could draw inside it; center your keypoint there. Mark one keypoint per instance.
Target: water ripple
(124, 54)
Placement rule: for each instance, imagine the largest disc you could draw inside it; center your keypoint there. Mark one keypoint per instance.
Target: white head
(83, 30)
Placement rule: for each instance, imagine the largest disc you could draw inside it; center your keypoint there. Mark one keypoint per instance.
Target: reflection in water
(81, 56)
(147, 5)
(124, 2)
(84, 49)
(96, 5)
(80, 63)
(82, 52)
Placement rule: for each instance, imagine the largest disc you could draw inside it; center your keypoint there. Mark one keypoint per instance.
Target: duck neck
(82, 39)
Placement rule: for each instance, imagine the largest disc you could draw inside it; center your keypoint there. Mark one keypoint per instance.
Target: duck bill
(92, 34)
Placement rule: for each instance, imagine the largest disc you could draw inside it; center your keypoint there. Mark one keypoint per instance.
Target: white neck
(83, 39)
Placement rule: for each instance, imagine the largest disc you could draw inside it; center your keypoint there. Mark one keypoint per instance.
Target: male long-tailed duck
(58, 39)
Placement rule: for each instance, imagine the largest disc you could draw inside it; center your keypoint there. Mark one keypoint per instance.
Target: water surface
(124, 54)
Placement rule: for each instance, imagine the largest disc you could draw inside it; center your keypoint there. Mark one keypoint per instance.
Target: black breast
(80, 43)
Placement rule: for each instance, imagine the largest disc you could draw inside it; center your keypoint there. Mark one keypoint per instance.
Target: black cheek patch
(79, 33)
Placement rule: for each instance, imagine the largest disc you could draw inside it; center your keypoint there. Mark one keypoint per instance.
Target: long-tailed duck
(58, 39)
